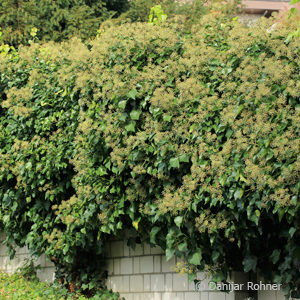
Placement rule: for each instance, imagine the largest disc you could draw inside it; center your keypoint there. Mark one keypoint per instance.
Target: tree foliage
(192, 143)
(56, 20)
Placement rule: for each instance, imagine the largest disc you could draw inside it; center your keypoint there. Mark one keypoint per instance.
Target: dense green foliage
(16, 287)
(190, 142)
(56, 20)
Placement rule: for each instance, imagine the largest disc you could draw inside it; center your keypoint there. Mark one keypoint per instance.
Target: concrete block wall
(45, 273)
(144, 274)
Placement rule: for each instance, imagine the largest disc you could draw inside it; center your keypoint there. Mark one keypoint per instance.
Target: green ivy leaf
(249, 263)
(132, 94)
(238, 110)
(122, 104)
(169, 254)
(130, 127)
(292, 231)
(196, 257)
(153, 234)
(183, 247)
(184, 158)
(167, 118)
(194, 206)
(275, 256)
(215, 256)
(174, 163)
(135, 114)
(101, 171)
(178, 220)
(238, 194)
(65, 249)
(223, 179)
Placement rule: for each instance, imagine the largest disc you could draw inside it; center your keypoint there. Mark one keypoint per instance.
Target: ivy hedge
(190, 142)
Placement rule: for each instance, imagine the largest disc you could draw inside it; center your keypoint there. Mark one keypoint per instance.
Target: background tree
(56, 20)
